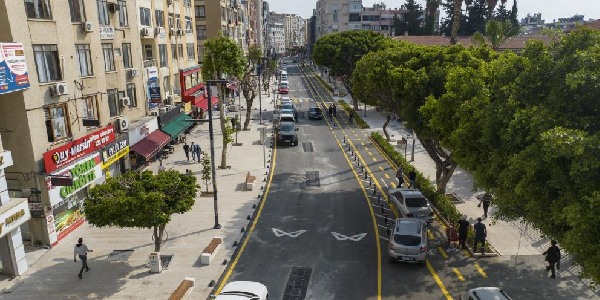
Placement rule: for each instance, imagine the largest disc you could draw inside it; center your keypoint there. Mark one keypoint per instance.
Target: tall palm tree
(455, 21)
(496, 34)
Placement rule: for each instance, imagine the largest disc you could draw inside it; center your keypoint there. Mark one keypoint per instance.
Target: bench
(250, 179)
(211, 250)
(183, 288)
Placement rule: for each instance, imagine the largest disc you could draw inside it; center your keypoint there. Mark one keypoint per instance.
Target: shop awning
(150, 145)
(202, 102)
(177, 125)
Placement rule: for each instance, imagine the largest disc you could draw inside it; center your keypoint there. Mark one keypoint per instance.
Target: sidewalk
(54, 275)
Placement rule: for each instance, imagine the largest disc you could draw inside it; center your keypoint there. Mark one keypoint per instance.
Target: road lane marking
(386, 175)
(354, 238)
(384, 238)
(381, 168)
(444, 254)
(393, 184)
(438, 280)
(480, 270)
(280, 233)
(457, 272)
(370, 154)
(374, 159)
(386, 186)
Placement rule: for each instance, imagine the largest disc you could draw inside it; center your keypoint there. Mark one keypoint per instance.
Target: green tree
(456, 20)
(431, 9)
(248, 82)
(496, 34)
(141, 200)
(410, 21)
(206, 169)
(478, 13)
(222, 58)
(340, 51)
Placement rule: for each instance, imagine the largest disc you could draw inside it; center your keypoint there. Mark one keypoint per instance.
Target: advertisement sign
(115, 151)
(13, 68)
(68, 215)
(53, 237)
(65, 154)
(107, 32)
(152, 73)
(155, 94)
(84, 173)
(138, 133)
(13, 215)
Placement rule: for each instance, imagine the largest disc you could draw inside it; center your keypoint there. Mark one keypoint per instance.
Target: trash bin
(154, 261)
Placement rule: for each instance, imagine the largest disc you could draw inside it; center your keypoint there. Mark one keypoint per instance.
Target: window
(109, 57)
(103, 18)
(177, 21)
(113, 102)
(123, 16)
(84, 59)
(200, 11)
(201, 32)
(187, 3)
(190, 51)
(145, 18)
(173, 51)
(188, 24)
(148, 54)
(127, 56)
(180, 50)
(171, 21)
(160, 18)
(162, 53)
(166, 84)
(77, 12)
(57, 122)
(131, 94)
(38, 9)
(90, 108)
(46, 61)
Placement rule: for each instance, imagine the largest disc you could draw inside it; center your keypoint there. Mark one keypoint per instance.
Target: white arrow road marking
(280, 233)
(355, 238)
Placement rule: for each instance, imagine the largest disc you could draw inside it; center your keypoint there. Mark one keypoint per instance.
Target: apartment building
(277, 32)
(381, 20)
(295, 31)
(220, 17)
(337, 15)
(267, 37)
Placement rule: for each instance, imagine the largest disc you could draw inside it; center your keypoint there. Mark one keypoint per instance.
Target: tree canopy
(141, 200)
(410, 21)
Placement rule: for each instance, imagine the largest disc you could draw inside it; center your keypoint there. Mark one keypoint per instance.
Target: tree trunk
(455, 21)
(444, 165)
(385, 132)
(346, 83)
(222, 120)
(158, 236)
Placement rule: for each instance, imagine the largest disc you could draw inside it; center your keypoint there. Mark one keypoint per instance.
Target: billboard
(13, 68)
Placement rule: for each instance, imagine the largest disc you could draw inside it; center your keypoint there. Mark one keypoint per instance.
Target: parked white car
(485, 293)
(408, 241)
(239, 290)
(411, 203)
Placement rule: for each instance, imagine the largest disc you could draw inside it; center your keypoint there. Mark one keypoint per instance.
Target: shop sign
(63, 155)
(114, 152)
(13, 68)
(52, 235)
(84, 173)
(154, 94)
(14, 216)
(107, 32)
(5, 159)
(152, 73)
(138, 133)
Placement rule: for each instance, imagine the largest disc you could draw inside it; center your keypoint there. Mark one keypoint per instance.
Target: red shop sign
(65, 154)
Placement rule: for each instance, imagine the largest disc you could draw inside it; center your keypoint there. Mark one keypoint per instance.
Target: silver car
(411, 203)
(408, 241)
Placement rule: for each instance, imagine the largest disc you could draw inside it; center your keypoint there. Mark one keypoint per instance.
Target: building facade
(277, 32)
(380, 20)
(338, 15)
(220, 17)
(295, 31)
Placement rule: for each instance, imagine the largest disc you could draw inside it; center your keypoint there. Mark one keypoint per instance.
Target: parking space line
(444, 254)
(371, 154)
(438, 281)
(393, 184)
(381, 168)
(383, 238)
(386, 186)
(386, 175)
(480, 270)
(362, 143)
(457, 272)
(374, 158)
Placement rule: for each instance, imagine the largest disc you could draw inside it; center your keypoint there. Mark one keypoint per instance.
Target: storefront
(14, 212)
(115, 157)
(72, 170)
(174, 123)
(146, 142)
(193, 91)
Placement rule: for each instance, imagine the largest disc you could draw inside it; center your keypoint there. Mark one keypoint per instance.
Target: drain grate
(119, 255)
(297, 284)
(165, 260)
(308, 147)
(312, 178)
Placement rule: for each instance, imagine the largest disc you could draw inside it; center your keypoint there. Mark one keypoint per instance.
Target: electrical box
(154, 262)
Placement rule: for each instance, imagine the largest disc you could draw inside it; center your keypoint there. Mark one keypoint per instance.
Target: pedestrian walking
(400, 177)
(553, 258)
(480, 235)
(463, 229)
(161, 168)
(351, 117)
(412, 178)
(334, 109)
(186, 149)
(198, 150)
(486, 200)
(193, 150)
(330, 111)
(81, 250)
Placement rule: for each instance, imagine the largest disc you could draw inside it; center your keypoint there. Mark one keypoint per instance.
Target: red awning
(150, 145)
(201, 102)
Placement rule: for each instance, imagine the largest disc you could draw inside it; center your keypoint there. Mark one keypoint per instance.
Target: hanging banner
(13, 68)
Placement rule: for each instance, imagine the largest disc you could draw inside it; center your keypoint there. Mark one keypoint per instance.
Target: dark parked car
(315, 113)
(286, 133)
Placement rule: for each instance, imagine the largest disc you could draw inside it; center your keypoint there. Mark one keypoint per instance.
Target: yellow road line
(393, 185)
(430, 234)
(480, 270)
(362, 143)
(457, 272)
(374, 159)
(438, 281)
(381, 168)
(366, 148)
(386, 175)
(443, 253)
(371, 154)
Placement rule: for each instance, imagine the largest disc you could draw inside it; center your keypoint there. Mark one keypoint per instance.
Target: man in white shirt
(81, 249)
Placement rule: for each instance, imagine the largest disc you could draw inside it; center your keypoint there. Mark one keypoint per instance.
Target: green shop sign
(81, 177)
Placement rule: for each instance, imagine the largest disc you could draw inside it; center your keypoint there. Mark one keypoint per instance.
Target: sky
(550, 9)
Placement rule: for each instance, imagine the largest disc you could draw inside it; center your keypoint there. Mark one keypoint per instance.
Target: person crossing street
(81, 250)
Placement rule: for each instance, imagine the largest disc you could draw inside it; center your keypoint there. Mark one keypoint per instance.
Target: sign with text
(66, 154)
(115, 151)
(14, 216)
(107, 32)
(13, 68)
(84, 173)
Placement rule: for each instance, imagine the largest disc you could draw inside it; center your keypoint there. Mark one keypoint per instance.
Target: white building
(338, 15)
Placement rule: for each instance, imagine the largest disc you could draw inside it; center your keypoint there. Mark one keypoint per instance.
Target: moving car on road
(411, 203)
(314, 112)
(408, 241)
(239, 290)
(286, 133)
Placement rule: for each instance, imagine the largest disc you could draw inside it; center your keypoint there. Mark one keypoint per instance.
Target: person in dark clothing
(351, 117)
(400, 177)
(334, 110)
(330, 111)
(553, 258)
(480, 235)
(198, 151)
(186, 149)
(486, 200)
(463, 229)
(193, 150)
(81, 250)
(412, 177)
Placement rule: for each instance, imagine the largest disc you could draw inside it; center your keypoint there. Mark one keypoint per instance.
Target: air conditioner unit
(88, 26)
(113, 7)
(125, 101)
(172, 31)
(159, 30)
(58, 89)
(145, 32)
(122, 124)
(133, 72)
(169, 2)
